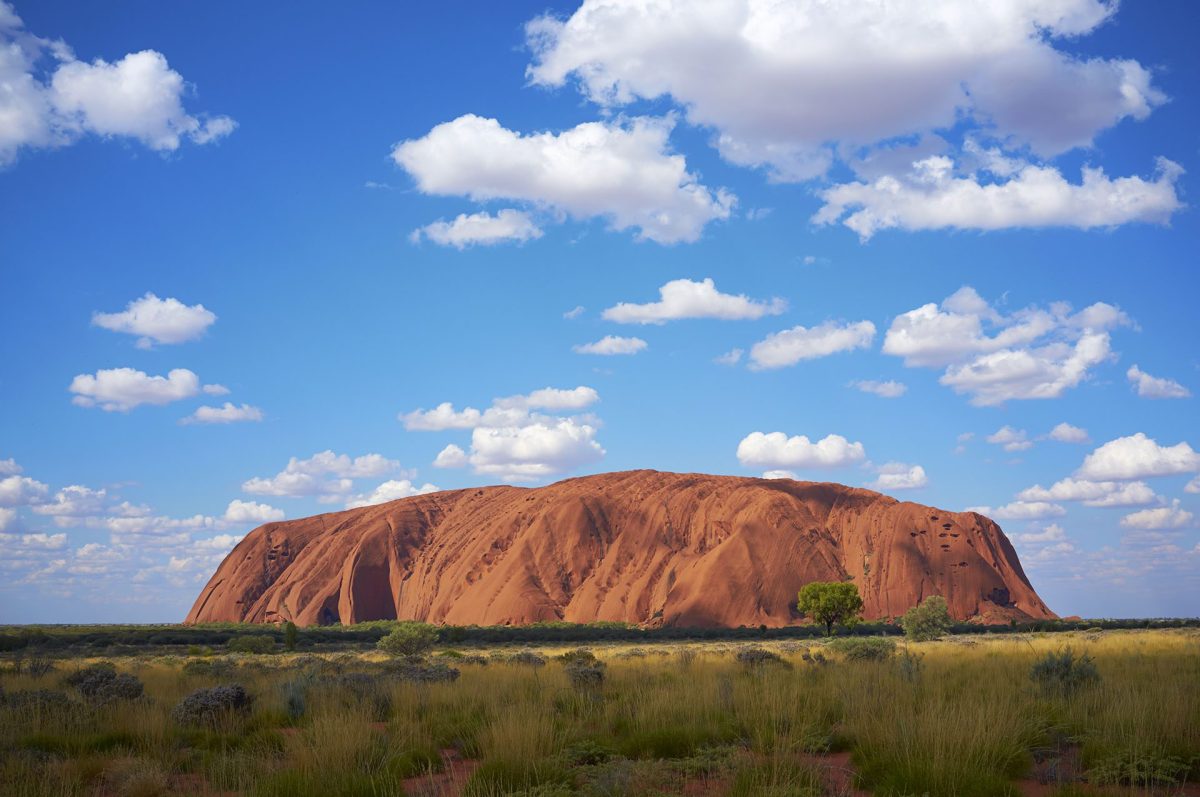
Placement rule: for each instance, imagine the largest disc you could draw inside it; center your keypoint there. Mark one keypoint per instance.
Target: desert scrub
(101, 683)
(211, 706)
(754, 658)
(864, 648)
(1063, 673)
(252, 643)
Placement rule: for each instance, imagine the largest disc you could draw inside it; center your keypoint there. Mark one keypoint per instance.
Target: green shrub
(864, 648)
(586, 674)
(755, 658)
(209, 706)
(502, 776)
(101, 683)
(290, 636)
(251, 643)
(928, 621)
(409, 638)
(830, 603)
(1062, 674)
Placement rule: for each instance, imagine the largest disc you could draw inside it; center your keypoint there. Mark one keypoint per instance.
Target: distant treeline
(115, 637)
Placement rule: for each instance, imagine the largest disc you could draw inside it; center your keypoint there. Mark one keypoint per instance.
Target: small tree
(289, 635)
(830, 602)
(928, 621)
(409, 638)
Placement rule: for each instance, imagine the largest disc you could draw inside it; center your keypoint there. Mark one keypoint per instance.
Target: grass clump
(1063, 673)
(864, 648)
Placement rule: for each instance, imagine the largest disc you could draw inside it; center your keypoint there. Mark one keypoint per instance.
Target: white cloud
(610, 345)
(138, 96)
(731, 357)
(156, 320)
(78, 501)
(779, 474)
(1105, 493)
(227, 413)
(390, 490)
(888, 389)
(1012, 439)
(122, 389)
(853, 74)
(240, 511)
(551, 398)
(482, 229)
(1029, 354)
(1136, 457)
(900, 476)
(505, 411)
(7, 518)
(1154, 387)
(684, 298)
(21, 491)
(326, 475)
(451, 456)
(1193, 486)
(1066, 433)
(790, 346)
(623, 172)
(216, 390)
(574, 312)
(1022, 510)
(9, 467)
(1051, 533)
(1164, 517)
(778, 451)
(535, 451)
(932, 197)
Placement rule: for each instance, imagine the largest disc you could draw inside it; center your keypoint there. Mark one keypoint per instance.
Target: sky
(320, 257)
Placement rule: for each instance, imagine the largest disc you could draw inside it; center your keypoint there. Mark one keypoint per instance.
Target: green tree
(289, 635)
(830, 602)
(409, 638)
(928, 621)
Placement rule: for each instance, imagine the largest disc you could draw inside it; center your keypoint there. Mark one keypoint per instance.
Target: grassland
(954, 717)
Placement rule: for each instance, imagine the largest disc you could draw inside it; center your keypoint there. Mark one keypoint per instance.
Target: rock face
(640, 547)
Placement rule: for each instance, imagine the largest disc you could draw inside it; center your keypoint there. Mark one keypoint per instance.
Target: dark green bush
(251, 643)
(864, 648)
(210, 706)
(101, 683)
(928, 621)
(1062, 674)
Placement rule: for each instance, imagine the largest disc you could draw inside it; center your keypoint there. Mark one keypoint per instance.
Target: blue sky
(334, 221)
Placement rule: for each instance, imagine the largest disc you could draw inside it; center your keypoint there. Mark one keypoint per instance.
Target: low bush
(754, 658)
(586, 674)
(409, 638)
(251, 643)
(864, 648)
(101, 683)
(527, 658)
(928, 621)
(1063, 673)
(207, 707)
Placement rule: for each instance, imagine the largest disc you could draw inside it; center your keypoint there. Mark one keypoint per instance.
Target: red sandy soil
(639, 547)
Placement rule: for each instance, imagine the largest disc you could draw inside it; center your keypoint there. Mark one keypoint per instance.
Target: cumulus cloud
(779, 474)
(899, 476)
(1066, 433)
(9, 466)
(21, 491)
(516, 439)
(545, 448)
(227, 413)
(1137, 457)
(621, 171)
(1154, 387)
(853, 74)
(451, 456)
(776, 450)
(933, 197)
(610, 345)
(122, 389)
(78, 501)
(1021, 510)
(1164, 517)
(156, 320)
(391, 490)
(1033, 353)
(504, 411)
(1049, 534)
(137, 97)
(8, 518)
(1105, 493)
(240, 511)
(1193, 486)
(325, 475)
(790, 346)
(1011, 439)
(888, 389)
(574, 312)
(684, 298)
(481, 229)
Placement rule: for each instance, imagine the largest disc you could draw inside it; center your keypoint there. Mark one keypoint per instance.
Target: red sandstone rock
(639, 546)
